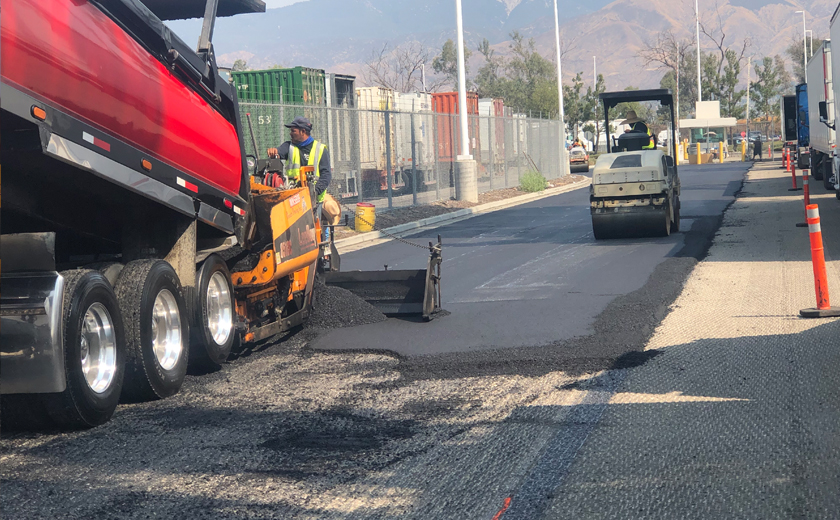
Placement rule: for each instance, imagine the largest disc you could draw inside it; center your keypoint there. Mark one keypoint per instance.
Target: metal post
(505, 148)
(413, 161)
(454, 134)
(562, 149)
(356, 150)
(435, 140)
(519, 150)
(749, 66)
(462, 84)
(388, 154)
(804, 46)
(699, 87)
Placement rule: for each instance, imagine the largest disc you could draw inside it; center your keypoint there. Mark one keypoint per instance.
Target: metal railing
(397, 159)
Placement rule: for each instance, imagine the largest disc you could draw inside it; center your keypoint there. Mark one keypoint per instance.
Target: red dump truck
(135, 237)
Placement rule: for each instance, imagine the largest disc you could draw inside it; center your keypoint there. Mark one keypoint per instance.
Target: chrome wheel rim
(167, 342)
(219, 309)
(98, 348)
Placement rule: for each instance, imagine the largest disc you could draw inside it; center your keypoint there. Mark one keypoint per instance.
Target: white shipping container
(820, 86)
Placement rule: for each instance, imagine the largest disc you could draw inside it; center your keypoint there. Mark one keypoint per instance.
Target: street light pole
(462, 85)
(810, 34)
(804, 46)
(564, 164)
(749, 64)
(699, 87)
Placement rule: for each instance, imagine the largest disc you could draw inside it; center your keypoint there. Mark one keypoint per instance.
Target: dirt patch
(397, 216)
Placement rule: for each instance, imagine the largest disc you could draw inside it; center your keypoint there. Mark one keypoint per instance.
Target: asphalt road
(415, 420)
(533, 275)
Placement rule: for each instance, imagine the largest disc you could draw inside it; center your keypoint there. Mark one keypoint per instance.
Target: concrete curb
(377, 237)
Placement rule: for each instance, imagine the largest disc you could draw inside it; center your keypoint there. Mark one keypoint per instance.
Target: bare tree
(719, 43)
(399, 68)
(667, 52)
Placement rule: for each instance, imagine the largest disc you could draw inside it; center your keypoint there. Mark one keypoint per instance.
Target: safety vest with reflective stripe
(650, 145)
(315, 154)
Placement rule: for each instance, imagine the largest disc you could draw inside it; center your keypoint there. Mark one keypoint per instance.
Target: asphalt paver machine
(636, 191)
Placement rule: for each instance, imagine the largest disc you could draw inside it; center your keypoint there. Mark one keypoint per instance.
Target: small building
(707, 128)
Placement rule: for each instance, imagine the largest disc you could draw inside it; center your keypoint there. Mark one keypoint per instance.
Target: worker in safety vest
(303, 150)
(637, 124)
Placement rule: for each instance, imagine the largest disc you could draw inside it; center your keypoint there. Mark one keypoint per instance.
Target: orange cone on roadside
(823, 308)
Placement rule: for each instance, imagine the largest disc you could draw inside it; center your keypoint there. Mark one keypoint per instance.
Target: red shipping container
(447, 125)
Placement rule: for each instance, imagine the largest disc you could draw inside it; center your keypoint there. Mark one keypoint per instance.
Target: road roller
(635, 189)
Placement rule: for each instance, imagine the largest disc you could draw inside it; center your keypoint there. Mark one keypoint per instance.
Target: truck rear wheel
(156, 329)
(94, 352)
(212, 314)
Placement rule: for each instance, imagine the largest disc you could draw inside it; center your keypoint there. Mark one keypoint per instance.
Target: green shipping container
(295, 86)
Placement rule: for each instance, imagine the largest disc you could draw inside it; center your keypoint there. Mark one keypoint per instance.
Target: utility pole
(466, 182)
(699, 87)
(564, 163)
(423, 75)
(462, 85)
(804, 47)
(749, 62)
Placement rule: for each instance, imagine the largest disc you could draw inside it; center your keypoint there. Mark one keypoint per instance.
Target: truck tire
(827, 174)
(156, 329)
(818, 167)
(212, 314)
(94, 352)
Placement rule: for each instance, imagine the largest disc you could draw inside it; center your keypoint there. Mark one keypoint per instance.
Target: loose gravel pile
(335, 308)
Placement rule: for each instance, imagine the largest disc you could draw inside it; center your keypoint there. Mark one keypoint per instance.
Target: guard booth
(708, 130)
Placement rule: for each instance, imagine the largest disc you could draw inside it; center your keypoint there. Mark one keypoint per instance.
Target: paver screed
(739, 416)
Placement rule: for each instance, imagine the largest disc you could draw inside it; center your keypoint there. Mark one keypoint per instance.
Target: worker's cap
(300, 122)
(631, 118)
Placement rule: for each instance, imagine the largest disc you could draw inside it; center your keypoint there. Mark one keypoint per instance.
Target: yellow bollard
(743, 151)
(699, 156)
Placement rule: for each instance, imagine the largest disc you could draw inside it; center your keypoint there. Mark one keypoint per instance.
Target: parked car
(578, 160)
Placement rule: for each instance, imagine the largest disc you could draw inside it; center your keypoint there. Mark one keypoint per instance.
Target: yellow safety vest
(315, 154)
(650, 145)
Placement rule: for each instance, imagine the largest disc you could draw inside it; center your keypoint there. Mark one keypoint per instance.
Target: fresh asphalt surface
(533, 275)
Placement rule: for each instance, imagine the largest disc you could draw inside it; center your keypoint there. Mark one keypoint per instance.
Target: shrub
(532, 182)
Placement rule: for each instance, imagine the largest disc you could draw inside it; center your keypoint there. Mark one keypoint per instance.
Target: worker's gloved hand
(272, 153)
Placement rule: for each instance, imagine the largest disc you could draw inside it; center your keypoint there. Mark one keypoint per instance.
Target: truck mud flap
(407, 292)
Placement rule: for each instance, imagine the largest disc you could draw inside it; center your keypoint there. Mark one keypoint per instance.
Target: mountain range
(341, 35)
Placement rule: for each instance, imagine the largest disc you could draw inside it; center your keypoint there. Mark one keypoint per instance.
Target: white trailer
(832, 116)
(822, 136)
(415, 121)
(373, 102)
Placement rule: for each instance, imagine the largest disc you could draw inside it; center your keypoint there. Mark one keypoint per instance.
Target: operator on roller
(637, 124)
(303, 150)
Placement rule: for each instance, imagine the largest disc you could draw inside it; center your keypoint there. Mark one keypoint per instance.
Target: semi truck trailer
(821, 136)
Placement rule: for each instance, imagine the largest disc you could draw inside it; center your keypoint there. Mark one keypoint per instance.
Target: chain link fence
(398, 159)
